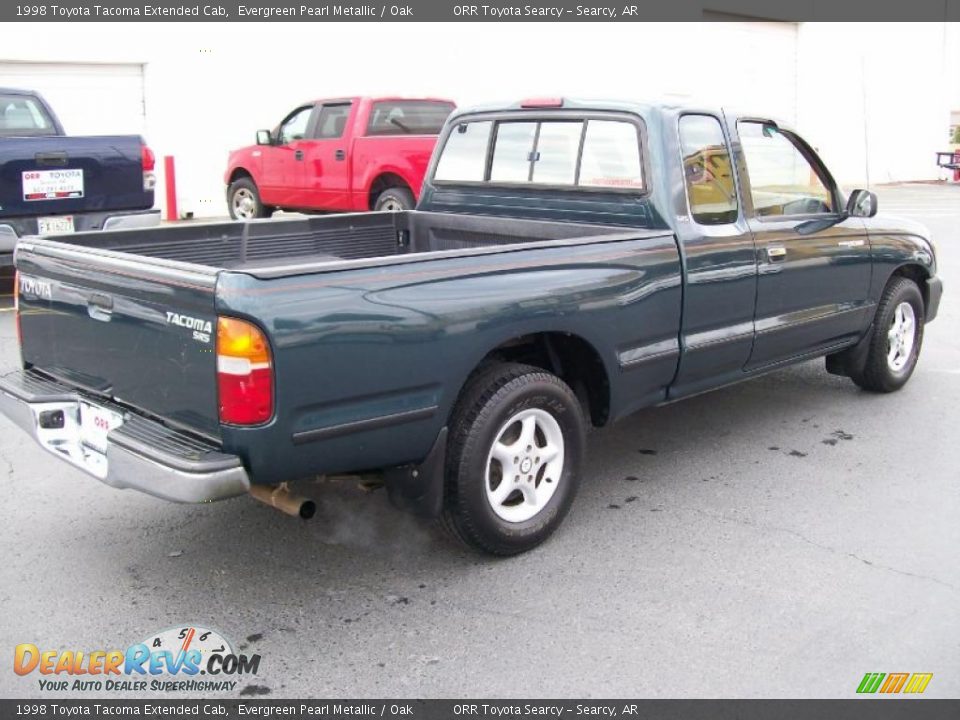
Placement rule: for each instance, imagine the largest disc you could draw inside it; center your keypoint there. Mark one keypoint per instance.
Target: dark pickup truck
(568, 263)
(54, 183)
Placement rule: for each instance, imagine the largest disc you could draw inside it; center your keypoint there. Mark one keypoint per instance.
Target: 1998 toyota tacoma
(567, 263)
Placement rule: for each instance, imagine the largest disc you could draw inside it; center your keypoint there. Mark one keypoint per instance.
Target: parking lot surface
(781, 537)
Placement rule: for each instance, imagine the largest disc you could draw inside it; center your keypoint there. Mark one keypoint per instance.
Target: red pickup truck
(345, 154)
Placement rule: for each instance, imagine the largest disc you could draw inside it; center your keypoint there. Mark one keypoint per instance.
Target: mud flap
(418, 489)
(853, 359)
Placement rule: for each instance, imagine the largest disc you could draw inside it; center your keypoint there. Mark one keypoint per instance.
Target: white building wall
(209, 87)
(875, 98)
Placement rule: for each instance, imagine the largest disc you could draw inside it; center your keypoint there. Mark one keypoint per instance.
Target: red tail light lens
(149, 162)
(147, 158)
(244, 373)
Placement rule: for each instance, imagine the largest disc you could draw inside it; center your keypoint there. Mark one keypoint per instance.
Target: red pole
(170, 180)
(956, 173)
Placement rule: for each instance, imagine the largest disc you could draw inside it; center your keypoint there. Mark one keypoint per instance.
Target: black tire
(879, 374)
(246, 189)
(394, 199)
(492, 398)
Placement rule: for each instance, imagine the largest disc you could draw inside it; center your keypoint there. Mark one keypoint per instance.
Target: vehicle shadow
(358, 538)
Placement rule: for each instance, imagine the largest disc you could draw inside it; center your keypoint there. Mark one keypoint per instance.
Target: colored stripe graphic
(870, 682)
(894, 682)
(918, 683)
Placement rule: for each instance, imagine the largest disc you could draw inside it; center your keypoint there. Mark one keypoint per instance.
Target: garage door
(756, 63)
(89, 98)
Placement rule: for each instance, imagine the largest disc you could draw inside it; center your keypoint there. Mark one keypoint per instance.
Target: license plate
(52, 184)
(95, 423)
(54, 225)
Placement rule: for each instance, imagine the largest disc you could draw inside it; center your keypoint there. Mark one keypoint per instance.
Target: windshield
(22, 115)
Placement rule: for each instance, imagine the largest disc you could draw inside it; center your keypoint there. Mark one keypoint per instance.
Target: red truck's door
(282, 174)
(326, 159)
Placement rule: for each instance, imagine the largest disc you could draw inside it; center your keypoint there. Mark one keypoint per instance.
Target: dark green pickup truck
(568, 263)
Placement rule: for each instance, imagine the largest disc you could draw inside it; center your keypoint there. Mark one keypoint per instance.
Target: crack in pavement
(821, 546)
(5, 459)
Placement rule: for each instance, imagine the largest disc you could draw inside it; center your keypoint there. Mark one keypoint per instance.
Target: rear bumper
(141, 454)
(13, 228)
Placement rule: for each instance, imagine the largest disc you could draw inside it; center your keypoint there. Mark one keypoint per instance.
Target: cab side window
(295, 125)
(782, 180)
(707, 170)
(332, 121)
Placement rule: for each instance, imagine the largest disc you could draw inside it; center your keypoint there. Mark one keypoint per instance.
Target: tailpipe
(280, 497)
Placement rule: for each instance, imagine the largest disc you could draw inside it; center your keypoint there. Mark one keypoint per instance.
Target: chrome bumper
(145, 219)
(8, 238)
(141, 454)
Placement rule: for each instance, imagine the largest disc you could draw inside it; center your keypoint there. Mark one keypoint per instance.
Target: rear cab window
(21, 115)
(589, 152)
(408, 117)
(707, 170)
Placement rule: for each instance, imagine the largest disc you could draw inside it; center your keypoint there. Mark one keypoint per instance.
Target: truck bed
(96, 308)
(300, 245)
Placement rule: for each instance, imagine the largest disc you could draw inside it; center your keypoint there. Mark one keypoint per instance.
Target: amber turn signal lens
(240, 339)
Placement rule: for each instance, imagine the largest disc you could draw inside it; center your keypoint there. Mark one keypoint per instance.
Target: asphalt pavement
(779, 538)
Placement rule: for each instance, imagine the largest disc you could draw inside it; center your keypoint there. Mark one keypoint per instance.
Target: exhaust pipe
(280, 497)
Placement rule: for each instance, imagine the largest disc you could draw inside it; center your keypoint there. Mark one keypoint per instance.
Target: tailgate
(137, 330)
(57, 175)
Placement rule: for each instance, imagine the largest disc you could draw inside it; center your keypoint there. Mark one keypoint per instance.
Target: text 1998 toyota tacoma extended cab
(568, 263)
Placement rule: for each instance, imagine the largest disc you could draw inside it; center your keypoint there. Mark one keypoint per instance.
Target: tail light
(244, 373)
(149, 162)
(16, 307)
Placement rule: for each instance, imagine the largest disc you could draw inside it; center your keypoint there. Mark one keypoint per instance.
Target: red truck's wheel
(394, 200)
(513, 459)
(243, 200)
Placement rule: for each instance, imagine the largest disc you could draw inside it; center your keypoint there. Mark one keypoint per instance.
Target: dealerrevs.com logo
(188, 659)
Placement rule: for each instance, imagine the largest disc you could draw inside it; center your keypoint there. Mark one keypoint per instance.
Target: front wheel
(243, 200)
(897, 337)
(513, 459)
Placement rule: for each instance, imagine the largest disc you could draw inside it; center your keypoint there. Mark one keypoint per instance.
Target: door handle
(51, 159)
(298, 155)
(776, 253)
(340, 155)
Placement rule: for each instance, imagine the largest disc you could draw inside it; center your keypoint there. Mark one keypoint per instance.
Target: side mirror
(862, 203)
(264, 137)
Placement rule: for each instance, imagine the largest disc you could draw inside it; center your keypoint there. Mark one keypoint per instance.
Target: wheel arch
(568, 356)
(385, 180)
(916, 272)
(237, 173)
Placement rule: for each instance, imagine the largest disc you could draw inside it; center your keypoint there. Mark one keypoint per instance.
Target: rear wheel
(897, 338)
(513, 459)
(243, 200)
(394, 199)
